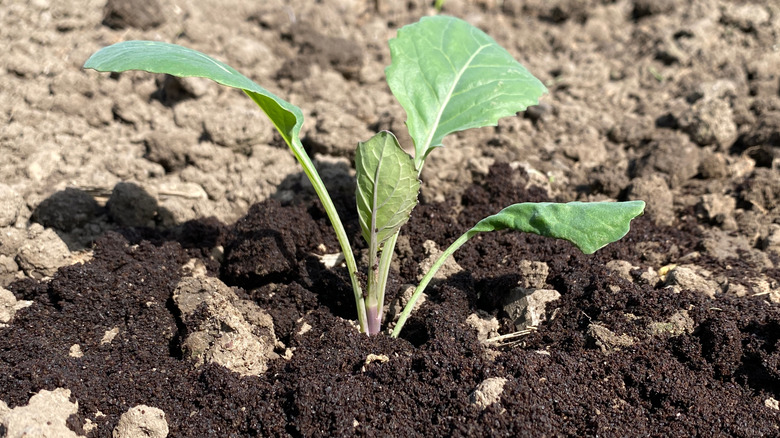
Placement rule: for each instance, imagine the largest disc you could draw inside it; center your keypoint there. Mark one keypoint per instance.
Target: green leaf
(172, 59)
(159, 57)
(450, 76)
(387, 187)
(588, 225)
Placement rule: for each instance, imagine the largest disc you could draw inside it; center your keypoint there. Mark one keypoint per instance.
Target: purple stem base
(374, 320)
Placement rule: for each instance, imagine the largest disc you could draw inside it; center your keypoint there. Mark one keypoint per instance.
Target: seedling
(448, 76)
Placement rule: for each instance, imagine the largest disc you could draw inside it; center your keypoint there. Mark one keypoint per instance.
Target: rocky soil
(164, 261)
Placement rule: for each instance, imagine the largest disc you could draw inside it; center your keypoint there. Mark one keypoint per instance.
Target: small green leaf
(175, 60)
(387, 187)
(450, 76)
(588, 225)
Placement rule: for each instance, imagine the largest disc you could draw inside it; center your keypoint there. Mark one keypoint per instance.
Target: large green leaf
(450, 76)
(387, 187)
(172, 59)
(588, 225)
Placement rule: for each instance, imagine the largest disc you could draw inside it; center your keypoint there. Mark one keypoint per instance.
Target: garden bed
(124, 197)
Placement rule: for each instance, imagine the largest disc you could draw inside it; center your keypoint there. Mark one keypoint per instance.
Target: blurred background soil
(672, 102)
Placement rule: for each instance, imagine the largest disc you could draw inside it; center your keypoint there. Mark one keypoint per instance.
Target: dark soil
(709, 382)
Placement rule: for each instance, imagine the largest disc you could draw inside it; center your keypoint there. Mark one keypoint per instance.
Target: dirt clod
(432, 252)
(488, 392)
(527, 307)
(11, 205)
(142, 14)
(693, 278)
(224, 329)
(486, 325)
(534, 274)
(676, 325)
(43, 254)
(44, 416)
(607, 340)
(655, 192)
(142, 422)
(9, 305)
(132, 206)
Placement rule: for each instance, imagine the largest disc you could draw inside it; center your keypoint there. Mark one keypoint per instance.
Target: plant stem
(372, 300)
(428, 277)
(346, 249)
(377, 282)
(374, 318)
(338, 227)
(388, 250)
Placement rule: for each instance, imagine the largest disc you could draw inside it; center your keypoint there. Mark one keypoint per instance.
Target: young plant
(448, 76)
